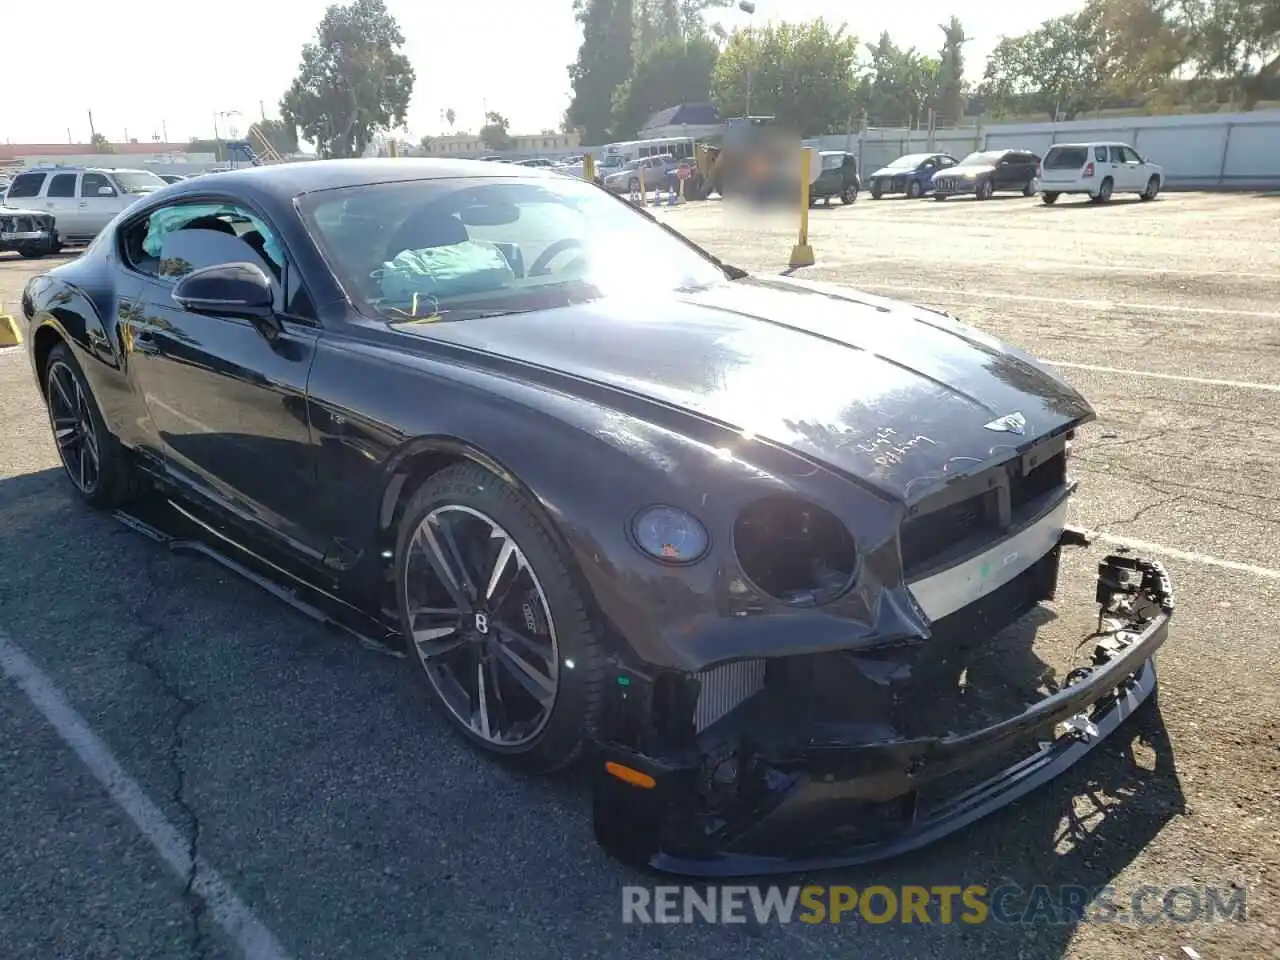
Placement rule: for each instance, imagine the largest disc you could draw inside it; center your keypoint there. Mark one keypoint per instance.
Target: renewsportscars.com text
(972, 904)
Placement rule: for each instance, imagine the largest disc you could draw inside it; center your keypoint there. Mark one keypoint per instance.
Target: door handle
(144, 341)
(83, 203)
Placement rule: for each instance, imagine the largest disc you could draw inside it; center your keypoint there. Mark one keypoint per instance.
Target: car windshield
(450, 249)
(138, 181)
(910, 161)
(833, 161)
(981, 158)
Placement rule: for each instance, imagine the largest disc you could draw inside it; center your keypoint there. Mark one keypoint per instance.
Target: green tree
(1239, 39)
(952, 94)
(1137, 44)
(603, 64)
(101, 144)
(903, 84)
(495, 133)
(660, 20)
(449, 118)
(802, 73)
(670, 73)
(282, 135)
(353, 80)
(1054, 69)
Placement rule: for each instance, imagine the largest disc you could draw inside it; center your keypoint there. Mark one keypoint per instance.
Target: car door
(98, 202)
(227, 399)
(61, 201)
(1136, 172)
(1007, 172)
(1119, 173)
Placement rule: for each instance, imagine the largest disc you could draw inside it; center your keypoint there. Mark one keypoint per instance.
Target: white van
(82, 200)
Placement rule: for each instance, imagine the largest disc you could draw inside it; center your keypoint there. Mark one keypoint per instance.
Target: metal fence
(1237, 150)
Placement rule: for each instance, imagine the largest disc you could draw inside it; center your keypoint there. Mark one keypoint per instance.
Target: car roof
(284, 181)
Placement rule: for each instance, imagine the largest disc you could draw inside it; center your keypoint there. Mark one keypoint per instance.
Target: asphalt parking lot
(343, 819)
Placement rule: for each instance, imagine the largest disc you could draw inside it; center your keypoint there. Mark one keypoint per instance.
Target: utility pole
(164, 130)
(263, 111)
(92, 132)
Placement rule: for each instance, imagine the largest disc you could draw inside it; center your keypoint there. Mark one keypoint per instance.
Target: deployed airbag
(473, 266)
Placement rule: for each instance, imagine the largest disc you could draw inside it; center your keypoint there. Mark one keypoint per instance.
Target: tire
(939, 197)
(984, 191)
(33, 253)
(116, 480)
(1153, 188)
(914, 190)
(553, 620)
(877, 191)
(1104, 191)
(849, 194)
(634, 186)
(1029, 190)
(1049, 198)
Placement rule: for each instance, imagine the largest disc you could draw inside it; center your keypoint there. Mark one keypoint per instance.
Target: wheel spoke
(437, 631)
(448, 576)
(543, 650)
(63, 396)
(505, 553)
(482, 701)
(538, 685)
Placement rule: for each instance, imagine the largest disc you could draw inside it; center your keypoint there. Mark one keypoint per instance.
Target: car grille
(950, 525)
(944, 184)
(23, 224)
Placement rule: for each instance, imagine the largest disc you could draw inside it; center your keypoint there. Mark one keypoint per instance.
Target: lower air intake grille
(724, 688)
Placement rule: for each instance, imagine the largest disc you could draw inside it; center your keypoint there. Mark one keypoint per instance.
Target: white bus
(614, 156)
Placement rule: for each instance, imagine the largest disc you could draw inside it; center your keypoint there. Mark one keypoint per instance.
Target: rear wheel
(1049, 198)
(849, 194)
(99, 467)
(492, 615)
(1153, 187)
(1030, 189)
(877, 191)
(913, 189)
(1104, 191)
(985, 189)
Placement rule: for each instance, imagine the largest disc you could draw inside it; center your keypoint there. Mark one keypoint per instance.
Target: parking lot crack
(150, 615)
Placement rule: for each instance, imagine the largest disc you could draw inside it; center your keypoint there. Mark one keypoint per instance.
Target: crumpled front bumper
(841, 805)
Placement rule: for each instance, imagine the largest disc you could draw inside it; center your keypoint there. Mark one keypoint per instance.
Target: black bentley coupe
(723, 537)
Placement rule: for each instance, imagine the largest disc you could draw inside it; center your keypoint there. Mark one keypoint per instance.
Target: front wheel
(1049, 198)
(849, 194)
(877, 191)
(914, 189)
(493, 616)
(1030, 189)
(985, 189)
(1153, 187)
(99, 467)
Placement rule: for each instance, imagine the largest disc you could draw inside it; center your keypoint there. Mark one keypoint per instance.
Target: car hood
(895, 171)
(885, 392)
(8, 211)
(972, 170)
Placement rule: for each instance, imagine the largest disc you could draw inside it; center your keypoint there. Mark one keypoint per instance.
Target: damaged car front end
(844, 756)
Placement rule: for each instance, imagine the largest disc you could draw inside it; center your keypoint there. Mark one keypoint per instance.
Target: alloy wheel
(73, 428)
(481, 626)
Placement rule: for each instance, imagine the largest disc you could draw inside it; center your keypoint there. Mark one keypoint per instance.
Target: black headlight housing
(794, 551)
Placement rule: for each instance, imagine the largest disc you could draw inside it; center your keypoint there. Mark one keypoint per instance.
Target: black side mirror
(240, 290)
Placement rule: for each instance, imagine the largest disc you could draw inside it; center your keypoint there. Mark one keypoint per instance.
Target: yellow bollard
(802, 253)
(588, 168)
(642, 191)
(393, 149)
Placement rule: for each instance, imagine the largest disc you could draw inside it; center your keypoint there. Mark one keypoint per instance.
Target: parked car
(83, 200)
(837, 178)
(649, 173)
(908, 174)
(535, 162)
(32, 233)
(1099, 169)
(171, 177)
(987, 172)
(729, 539)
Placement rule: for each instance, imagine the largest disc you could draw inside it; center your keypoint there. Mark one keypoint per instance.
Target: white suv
(82, 200)
(1098, 169)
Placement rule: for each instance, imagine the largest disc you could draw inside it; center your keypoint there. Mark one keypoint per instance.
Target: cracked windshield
(599, 479)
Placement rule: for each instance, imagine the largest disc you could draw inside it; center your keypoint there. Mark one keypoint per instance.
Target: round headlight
(670, 534)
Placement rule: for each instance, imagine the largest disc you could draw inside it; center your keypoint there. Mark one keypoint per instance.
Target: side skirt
(306, 598)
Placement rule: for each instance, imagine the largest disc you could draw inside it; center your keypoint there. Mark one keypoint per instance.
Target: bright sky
(147, 66)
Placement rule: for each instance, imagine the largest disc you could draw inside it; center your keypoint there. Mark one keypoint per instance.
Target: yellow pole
(802, 253)
(588, 168)
(393, 149)
(642, 186)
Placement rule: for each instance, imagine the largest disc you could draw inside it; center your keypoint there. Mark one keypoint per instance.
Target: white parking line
(1188, 555)
(237, 920)
(1070, 301)
(1207, 381)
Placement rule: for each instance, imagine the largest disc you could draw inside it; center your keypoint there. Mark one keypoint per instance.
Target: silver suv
(82, 200)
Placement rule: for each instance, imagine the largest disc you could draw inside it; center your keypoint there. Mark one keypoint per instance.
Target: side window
(91, 185)
(1117, 154)
(1100, 154)
(62, 185)
(1131, 155)
(26, 185)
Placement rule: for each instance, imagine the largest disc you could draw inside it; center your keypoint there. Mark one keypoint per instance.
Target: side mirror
(106, 192)
(239, 290)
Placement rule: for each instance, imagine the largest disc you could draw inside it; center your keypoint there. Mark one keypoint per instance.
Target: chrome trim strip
(949, 590)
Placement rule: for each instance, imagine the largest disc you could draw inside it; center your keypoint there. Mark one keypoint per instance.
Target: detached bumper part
(840, 805)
